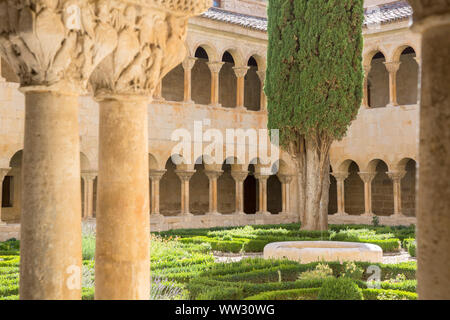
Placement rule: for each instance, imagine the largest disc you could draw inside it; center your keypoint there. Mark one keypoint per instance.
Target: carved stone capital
(239, 176)
(261, 176)
(156, 175)
(3, 173)
(285, 178)
(396, 176)
(55, 45)
(213, 174)
(367, 177)
(185, 175)
(392, 67)
(240, 72)
(150, 42)
(340, 176)
(189, 63)
(89, 175)
(215, 67)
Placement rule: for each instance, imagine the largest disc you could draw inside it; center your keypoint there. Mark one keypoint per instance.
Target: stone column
(262, 184)
(367, 178)
(185, 176)
(396, 177)
(213, 176)
(150, 44)
(432, 19)
(88, 178)
(215, 67)
(188, 64)
(340, 178)
(365, 102)
(240, 73)
(262, 77)
(54, 54)
(392, 68)
(155, 177)
(285, 192)
(3, 173)
(239, 177)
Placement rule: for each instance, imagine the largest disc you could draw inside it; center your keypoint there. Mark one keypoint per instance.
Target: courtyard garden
(227, 263)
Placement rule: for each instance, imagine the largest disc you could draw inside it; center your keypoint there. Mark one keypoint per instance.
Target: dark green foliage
(294, 294)
(340, 289)
(314, 67)
(410, 246)
(376, 294)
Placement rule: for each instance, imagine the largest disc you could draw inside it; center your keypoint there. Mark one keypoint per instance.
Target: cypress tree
(314, 88)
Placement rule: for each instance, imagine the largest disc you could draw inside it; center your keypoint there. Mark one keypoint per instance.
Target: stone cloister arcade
(220, 80)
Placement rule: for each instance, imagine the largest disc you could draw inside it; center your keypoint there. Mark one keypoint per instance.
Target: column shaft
(367, 178)
(155, 196)
(50, 266)
(285, 180)
(185, 176)
(187, 85)
(215, 67)
(392, 68)
(188, 64)
(155, 177)
(433, 216)
(396, 177)
(213, 176)
(240, 92)
(239, 177)
(122, 263)
(262, 184)
(340, 178)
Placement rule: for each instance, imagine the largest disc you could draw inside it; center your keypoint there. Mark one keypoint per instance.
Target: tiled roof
(386, 13)
(243, 20)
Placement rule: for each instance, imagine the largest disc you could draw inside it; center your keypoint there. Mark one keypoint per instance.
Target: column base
(215, 213)
(264, 213)
(217, 105)
(397, 216)
(239, 213)
(368, 214)
(241, 108)
(340, 214)
(190, 102)
(156, 216)
(186, 214)
(390, 105)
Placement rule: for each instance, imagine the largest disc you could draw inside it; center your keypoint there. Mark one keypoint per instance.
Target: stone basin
(313, 251)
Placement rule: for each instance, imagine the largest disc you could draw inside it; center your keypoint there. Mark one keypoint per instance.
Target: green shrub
(410, 246)
(295, 294)
(380, 294)
(352, 271)
(87, 293)
(340, 289)
(321, 271)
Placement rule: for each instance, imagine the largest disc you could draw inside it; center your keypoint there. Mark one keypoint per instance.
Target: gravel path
(388, 258)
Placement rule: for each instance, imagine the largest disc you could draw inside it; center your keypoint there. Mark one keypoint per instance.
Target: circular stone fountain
(313, 251)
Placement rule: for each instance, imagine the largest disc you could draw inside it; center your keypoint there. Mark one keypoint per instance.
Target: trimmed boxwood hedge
(312, 294)
(295, 294)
